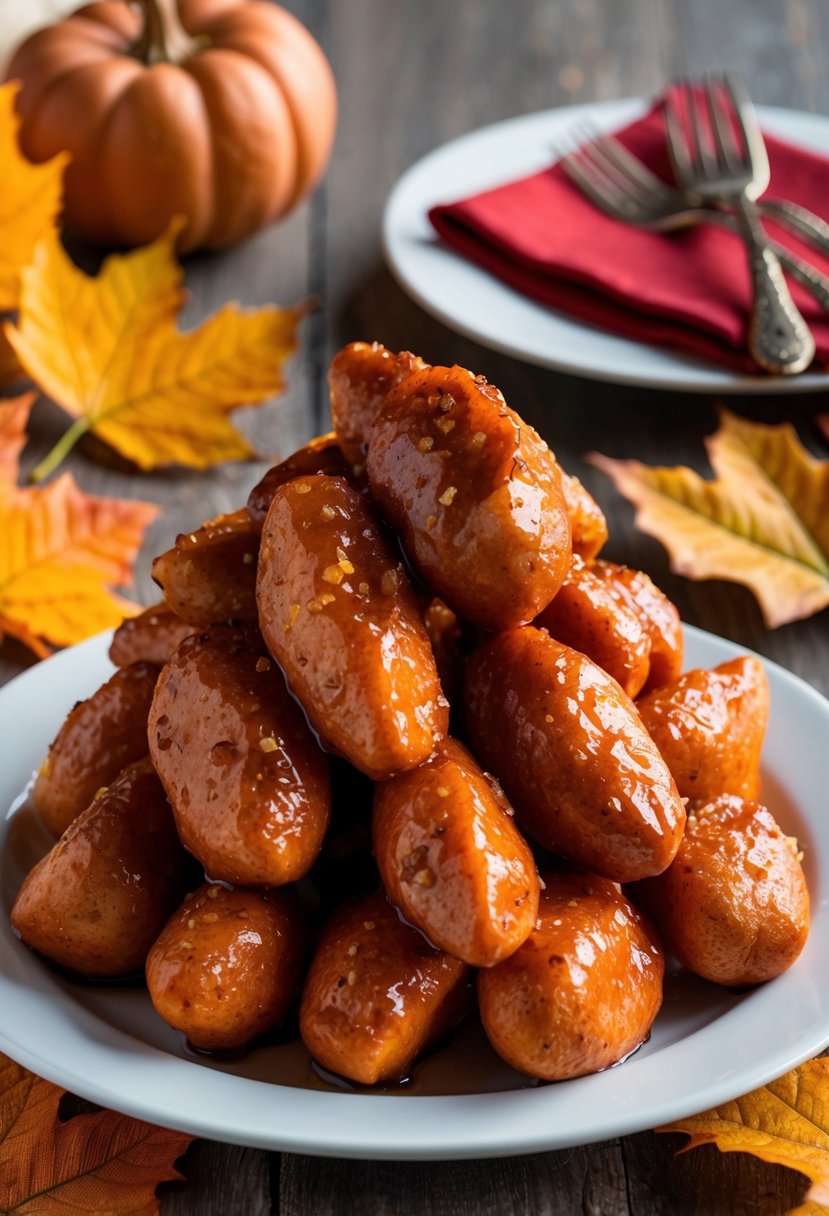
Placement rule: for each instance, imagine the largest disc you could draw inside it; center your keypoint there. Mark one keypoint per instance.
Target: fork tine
(746, 119)
(700, 155)
(729, 155)
(677, 141)
(601, 193)
(638, 174)
(627, 185)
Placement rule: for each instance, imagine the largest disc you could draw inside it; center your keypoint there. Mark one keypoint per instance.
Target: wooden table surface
(410, 76)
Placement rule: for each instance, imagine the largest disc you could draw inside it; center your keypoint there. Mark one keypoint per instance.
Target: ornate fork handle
(799, 220)
(779, 338)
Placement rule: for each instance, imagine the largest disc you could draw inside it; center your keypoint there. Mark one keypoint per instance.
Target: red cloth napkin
(689, 290)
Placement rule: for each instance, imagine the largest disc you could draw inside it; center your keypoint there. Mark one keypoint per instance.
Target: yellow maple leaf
(30, 200)
(60, 550)
(785, 1123)
(107, 350)
(763, 521)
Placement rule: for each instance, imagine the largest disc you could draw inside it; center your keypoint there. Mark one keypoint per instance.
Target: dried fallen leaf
(763, 521)
(30, 200)
(785, 1123)
(96, 1164)
(108, 351)
(60, 550)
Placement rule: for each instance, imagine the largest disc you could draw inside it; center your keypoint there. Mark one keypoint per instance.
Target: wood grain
(411, 76)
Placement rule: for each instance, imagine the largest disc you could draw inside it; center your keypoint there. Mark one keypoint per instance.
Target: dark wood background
(410, 76)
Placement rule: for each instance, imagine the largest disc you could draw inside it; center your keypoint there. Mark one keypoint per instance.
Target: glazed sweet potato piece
(377, 994)
(733, 905)
(658, 616)
(98, 900)
(247, 782)
(99, 737)
(340, 617)
(152, 636)
(709, 727)
(587, 616)
(320, 455)
(621, 620)
(209, 576)
(587, 522)
(474, 494)
(452, 859)
(584, 776)
(359, 378)
(226, 966)
(583, 990)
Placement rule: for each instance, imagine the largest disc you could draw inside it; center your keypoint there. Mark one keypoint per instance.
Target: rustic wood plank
(588, 1180)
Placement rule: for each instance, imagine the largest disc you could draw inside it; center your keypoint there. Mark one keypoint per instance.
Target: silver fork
(723, 170)
(619, 184)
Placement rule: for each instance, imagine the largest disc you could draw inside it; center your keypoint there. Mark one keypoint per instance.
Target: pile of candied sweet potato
(404, 656)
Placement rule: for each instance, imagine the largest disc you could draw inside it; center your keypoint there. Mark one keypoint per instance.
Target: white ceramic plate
(477, 304)
(708, 1044)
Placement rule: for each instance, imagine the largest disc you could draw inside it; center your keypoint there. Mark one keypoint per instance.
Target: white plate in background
(477, 304)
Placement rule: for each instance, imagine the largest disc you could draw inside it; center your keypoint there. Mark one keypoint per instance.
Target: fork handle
(799, 220)
(778, 337)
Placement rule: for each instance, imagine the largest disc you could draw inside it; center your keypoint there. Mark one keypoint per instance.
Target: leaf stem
(60, 451)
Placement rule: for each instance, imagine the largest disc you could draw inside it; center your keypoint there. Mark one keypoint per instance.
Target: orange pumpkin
(219, 110)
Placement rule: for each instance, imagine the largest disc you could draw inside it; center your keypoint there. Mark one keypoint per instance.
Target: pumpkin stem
(163, 38)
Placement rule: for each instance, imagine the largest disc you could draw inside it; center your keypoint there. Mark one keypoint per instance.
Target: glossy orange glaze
(99, 737)
(339, 615)
(709, 727)
(583, 990)
(658, 616)
(588, 616)
(360, 376)
(153, 635)
(733, 906)
(226, 967)
(452, 859)
(98, 900)
(321, 455)
(587, 522)
(448, 636)
(247, 782)
(474, 494)
(583, 774)
(377, 994)
(209, 575)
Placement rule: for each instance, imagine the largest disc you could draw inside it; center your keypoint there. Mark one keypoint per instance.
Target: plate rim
(684, 373)
(438, 1120)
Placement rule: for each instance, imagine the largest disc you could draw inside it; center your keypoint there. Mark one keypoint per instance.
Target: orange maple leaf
(108, 351)
(14, 414)
(30, 200)
(95, 1164)
(763, 521)
(60, 550)
(785, 1123)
